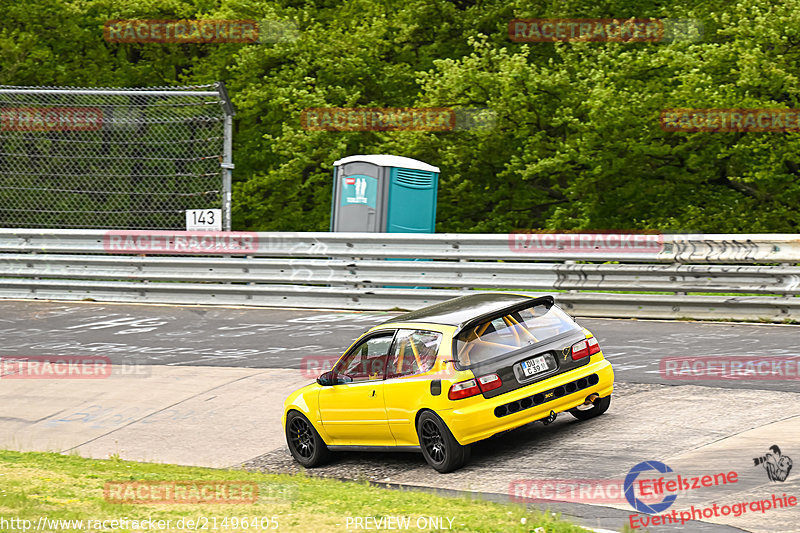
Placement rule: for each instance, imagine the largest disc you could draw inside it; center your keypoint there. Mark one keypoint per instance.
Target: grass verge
(36, 486)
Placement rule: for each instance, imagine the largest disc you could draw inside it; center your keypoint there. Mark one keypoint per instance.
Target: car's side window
(414, 352)
(366, 362)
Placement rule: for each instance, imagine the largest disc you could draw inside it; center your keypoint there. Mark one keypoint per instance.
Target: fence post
(227, 155)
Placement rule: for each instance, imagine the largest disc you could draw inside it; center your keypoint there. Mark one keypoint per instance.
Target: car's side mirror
(326, 379)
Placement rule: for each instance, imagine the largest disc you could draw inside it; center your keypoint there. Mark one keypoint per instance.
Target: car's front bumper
(476, 420)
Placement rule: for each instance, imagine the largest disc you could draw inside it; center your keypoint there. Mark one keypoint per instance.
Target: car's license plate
(534, 366)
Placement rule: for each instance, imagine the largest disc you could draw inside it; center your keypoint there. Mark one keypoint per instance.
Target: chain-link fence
(113, 158)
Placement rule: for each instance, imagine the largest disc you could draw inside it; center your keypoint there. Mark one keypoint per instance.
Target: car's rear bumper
(477, 420)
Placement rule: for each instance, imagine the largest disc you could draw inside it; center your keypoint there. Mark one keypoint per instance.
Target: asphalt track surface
(694, 426)
(283, 338)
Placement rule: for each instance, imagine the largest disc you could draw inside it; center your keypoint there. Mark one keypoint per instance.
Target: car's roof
(459, 310)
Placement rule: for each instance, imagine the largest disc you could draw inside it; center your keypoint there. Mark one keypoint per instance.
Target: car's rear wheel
(305, 444)
(600, 407)
(439, 447)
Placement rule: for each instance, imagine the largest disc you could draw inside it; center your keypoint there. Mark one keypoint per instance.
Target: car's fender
(306, 401)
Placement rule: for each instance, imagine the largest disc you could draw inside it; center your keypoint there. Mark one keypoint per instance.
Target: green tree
(577, 142)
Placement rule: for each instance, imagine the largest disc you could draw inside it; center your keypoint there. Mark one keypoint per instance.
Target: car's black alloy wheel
(305, 444)
(302, 439)
(440, 449)
(432, 440)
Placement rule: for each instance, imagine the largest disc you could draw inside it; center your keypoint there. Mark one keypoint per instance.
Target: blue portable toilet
(384, 194)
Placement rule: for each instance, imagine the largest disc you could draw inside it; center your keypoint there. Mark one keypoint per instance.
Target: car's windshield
(507, 333)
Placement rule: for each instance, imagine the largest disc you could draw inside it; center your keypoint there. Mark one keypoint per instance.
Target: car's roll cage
(483, 320)
(333, 375)
(506, 314)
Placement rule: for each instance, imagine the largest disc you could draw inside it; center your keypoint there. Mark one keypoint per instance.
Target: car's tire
(600, 406)
(305, 444)
(439, 447)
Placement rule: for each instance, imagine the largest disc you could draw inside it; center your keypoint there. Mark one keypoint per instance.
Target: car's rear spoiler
(548, 301)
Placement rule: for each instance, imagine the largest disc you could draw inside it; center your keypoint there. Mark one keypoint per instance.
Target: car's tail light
(472, 387)
(594, 346)
(464, 389)
(585, 348)
(489, 382)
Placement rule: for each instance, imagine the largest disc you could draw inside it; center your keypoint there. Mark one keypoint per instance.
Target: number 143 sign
(204, 220)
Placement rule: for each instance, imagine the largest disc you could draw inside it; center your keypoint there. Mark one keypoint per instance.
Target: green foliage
(577, 143)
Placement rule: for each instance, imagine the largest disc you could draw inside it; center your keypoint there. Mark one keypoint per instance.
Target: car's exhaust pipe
(589, 403)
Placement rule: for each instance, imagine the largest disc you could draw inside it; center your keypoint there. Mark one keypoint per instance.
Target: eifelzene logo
(776, 464)
(548, 395)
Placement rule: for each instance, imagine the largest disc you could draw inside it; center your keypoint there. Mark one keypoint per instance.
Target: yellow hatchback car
(440, 378)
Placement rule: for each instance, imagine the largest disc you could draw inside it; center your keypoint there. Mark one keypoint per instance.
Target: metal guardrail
(750, 277)
(676, 248)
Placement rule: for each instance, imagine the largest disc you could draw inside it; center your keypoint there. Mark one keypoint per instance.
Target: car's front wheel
(600, 407)
(305, 444)
(439, 447)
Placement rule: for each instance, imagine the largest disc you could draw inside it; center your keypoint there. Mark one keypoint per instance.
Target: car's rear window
(510, 332)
